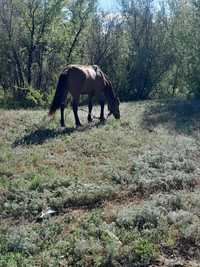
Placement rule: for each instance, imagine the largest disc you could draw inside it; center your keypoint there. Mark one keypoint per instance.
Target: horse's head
(113, 107)
(113, 101)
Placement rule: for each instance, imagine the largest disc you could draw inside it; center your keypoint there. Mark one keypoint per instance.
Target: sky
(113, 5)
(108, 5)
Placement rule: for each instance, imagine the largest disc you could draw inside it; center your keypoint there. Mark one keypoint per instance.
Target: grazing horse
(84, 80)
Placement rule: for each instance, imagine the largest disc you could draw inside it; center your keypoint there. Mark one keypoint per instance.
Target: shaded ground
(123, 193)
(180, 116)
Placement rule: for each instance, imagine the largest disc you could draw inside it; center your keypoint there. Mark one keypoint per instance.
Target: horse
(84, 80)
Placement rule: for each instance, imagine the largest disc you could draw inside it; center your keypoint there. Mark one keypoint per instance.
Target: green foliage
(154, 55)
(35, 183)
(38, 43)
(143, 251)
(34, 97)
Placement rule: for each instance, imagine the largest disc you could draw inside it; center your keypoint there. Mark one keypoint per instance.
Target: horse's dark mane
(108, 90)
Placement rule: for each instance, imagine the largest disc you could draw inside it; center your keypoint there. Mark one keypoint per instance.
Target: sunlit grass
(124, 192)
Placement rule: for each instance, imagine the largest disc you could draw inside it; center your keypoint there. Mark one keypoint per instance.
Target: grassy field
(124, 193)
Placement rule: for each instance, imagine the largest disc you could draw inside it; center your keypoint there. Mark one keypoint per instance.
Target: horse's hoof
(78, 125)
(62, 123)
(61, 129)
(102, 119)
(89, 118)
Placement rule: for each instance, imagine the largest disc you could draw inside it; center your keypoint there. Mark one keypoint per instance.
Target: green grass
(125, 193)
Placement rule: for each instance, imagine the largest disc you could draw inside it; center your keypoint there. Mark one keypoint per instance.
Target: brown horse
(84, 80)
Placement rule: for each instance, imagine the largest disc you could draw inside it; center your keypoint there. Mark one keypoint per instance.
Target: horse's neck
(108, 90)
(109, 93)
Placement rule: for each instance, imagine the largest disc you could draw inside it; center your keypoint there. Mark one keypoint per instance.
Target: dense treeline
(147, 50)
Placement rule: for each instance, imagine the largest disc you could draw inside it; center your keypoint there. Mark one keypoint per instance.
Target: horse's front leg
(102, 104)
(75, 110)
(62, 120)
(90, 109)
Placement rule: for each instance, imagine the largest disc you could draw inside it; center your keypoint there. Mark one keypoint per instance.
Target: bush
(140, 217)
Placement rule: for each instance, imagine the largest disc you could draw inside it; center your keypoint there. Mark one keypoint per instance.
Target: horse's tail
(61, 92)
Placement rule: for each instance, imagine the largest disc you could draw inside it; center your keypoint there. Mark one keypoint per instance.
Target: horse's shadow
(39, 136)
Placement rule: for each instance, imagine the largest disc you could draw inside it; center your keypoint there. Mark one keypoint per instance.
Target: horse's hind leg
(90, 109)
(62, 120)
(62, 109)
(75, 110)
(102, 103)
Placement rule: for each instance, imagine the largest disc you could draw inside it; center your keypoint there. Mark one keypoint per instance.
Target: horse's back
(83, 79)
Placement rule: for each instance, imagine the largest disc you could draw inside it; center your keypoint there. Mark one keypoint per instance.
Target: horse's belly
(88, 87)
